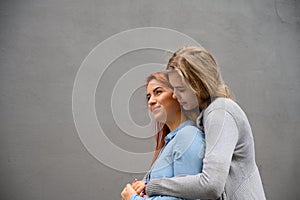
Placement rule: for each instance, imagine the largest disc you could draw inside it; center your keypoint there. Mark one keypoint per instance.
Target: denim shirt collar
(172, 134)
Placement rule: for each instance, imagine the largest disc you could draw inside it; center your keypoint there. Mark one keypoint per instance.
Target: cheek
(179, 95)
(169, 103)
(191, 96)
(173, 105)
(191, 99)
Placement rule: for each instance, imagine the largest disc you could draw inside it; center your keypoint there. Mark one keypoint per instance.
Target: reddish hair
(161, 129)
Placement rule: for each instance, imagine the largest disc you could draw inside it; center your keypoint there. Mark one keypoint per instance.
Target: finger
(139, 189)
(128, 186)
(135, 186)
(142, 187)
(123, 193)
(142, 193)
(134, 181)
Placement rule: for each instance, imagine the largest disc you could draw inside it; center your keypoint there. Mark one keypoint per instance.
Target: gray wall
(43, 44)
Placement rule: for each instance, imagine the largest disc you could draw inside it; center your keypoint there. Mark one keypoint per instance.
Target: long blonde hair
(199, 68)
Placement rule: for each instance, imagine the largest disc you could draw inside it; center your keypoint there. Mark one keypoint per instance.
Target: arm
(221, 134)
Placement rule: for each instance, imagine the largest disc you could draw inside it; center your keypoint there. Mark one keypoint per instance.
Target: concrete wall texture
(43, 44)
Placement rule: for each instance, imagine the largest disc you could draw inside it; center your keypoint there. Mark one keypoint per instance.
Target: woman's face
(160, 102)
(184, 94)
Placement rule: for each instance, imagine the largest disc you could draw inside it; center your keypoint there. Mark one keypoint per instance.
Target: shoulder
(189, 129)
(226, 106)
(188, 133)
(225, 114)
(222, 103)
(189, 140)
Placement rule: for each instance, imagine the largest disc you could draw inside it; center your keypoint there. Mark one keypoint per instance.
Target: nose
(176, 95)
(152, 101)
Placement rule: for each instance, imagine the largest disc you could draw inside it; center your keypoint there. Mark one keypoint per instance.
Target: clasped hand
(137, 187)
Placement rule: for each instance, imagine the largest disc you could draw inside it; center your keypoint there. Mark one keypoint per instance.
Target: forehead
(176, 80)
(154, 84)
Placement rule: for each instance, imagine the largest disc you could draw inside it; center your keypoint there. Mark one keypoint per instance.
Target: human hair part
(199, 68)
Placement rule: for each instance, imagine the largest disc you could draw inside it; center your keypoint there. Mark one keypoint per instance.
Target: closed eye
(180, 89)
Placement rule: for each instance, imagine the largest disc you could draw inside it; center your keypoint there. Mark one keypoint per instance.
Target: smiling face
(161, 103)
(184, 94)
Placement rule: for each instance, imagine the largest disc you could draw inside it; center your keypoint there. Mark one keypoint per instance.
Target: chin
(160, 118)
(189, 107)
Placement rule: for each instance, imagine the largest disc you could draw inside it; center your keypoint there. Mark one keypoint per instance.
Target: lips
(154, 108)
(182, 103)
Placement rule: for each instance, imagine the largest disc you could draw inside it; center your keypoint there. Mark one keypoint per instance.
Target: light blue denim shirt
(182, 155)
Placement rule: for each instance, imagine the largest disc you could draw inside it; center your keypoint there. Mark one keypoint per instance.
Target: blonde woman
(229, 167)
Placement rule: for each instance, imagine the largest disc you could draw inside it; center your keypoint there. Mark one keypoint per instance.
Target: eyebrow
(157, 88)
(147, 95)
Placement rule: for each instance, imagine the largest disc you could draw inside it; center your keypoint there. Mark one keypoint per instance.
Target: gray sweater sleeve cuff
(170, 187)
(152, 188)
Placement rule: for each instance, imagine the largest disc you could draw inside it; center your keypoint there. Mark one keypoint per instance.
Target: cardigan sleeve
(221, 134)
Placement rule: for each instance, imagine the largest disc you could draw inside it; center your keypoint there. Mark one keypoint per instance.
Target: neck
(192, 114)
(174, 123)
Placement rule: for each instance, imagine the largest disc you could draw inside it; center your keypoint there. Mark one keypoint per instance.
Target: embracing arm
(221, 134)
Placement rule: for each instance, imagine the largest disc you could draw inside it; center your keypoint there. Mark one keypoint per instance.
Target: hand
(139, 187)
(127, 192)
